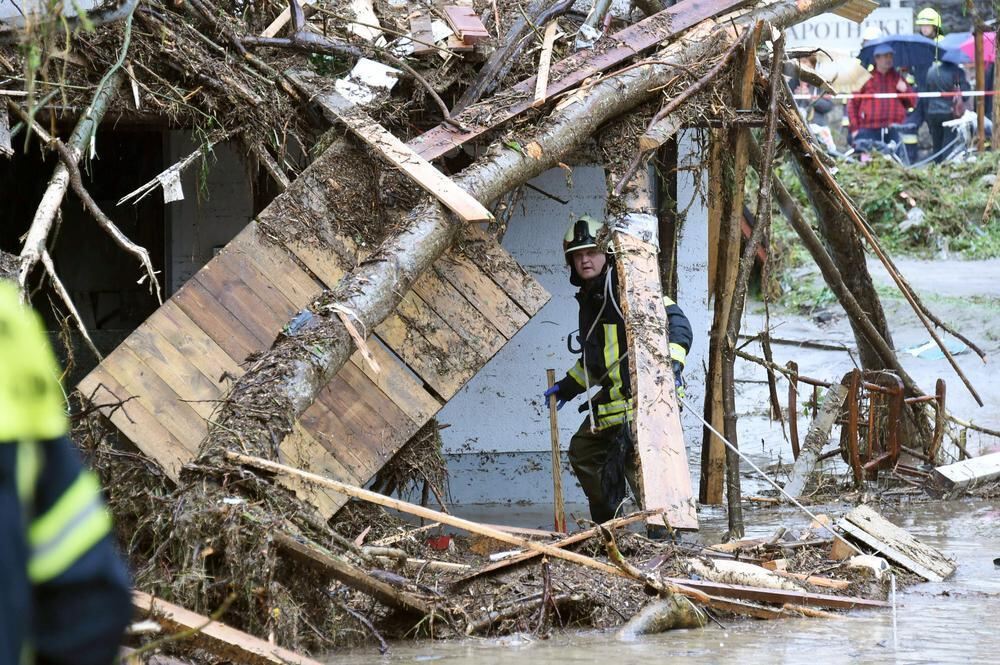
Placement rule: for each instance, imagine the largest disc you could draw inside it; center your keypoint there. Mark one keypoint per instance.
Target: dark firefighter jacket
(603, 341)
(64, 592)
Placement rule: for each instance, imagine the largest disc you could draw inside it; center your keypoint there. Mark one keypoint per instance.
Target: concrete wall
(202, 222)
(498, 445)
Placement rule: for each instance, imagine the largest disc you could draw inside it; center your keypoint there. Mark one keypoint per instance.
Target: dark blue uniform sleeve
(82, 609)
(679, 328)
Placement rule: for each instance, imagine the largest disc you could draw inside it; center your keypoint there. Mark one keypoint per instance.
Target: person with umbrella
(945, 75)
(874, 117)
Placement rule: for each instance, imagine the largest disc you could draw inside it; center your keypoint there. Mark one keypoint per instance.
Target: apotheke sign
(832, 31)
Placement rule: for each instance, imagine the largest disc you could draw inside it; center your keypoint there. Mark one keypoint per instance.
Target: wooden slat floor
(177, 365)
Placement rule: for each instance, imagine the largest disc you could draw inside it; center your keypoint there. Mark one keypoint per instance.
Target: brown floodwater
(954, 621)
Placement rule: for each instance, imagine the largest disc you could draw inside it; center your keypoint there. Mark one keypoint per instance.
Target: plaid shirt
(872, 113)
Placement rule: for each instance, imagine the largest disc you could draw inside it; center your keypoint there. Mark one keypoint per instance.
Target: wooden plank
(353, 576)
(465, 23)
(301, 450)
(187, 382)
(865, 525)
(665, 479)
(135, 421)
(281, 20)
(484, 294)
(186, 425)
(544, 64)
(239, 264)
(973, 471)
(429, 361)
(452, 306)
(201, 306)
(421, 31)
(277, 264)
(487, 254)
(176, 327)
(217, 638)
(397, 153)
(777, 595)
(398, 383)
(513, 562)
(240, 301)
(327, 429)
(818, 436)
(376, 427)
(571, 71)
(463, 358)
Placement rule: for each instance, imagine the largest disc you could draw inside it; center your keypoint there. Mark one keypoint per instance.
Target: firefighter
(601, 450)
(928, 24)
(64, 591)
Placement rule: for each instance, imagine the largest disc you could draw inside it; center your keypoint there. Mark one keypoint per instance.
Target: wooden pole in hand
(557, 499)
(980, 85)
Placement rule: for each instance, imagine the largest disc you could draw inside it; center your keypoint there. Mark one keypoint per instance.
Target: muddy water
(949, 622)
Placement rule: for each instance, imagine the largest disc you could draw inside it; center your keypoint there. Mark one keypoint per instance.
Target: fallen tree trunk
(295, 369)
(662, 615)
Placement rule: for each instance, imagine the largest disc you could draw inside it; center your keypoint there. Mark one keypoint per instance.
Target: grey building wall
(498, 444)
(199, 223)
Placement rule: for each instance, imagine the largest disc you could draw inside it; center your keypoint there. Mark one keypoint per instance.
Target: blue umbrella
(955, 56)
(912, 52)
(954, 40)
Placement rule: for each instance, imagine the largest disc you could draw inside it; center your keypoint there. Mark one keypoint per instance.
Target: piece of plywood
(967, 472)
(866, 526)
(134, 420)
(570, 72)
(397, 153)
(463, 20)
(665, 479)
(221, 640)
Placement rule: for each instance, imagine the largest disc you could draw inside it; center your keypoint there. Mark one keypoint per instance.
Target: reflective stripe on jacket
(604, 346)
(64, 592)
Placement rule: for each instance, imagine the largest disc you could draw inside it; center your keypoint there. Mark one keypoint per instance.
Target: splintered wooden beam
(664, 477)
(279, 22)
(866, 526)
(397, 153)
(352, 576)
(544, 64)
(780, 596)
(855, 10)
(216, 638)
(570, 72)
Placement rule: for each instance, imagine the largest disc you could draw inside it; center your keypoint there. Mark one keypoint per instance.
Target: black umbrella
(912, 52)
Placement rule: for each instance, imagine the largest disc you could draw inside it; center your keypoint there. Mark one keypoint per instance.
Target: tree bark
(295, 369)
(78, 143)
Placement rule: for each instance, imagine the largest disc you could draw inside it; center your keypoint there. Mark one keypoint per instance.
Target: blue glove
(554, 390)
(679, 378)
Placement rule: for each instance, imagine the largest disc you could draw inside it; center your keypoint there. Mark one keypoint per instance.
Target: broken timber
(352, 576)
(571, 71)
(544, 64)
(819, 434)
(866, 526)
(397, 153)
(221, 640)
(967, 472)
(778, 595)
(664, 477)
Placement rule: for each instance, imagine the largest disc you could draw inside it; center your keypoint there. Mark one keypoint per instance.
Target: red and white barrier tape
(893, 95)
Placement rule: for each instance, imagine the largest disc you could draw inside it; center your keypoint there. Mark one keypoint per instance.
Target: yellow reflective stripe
(610, 358)
(28, 466)
(578, 374)
(68, 529)
(678, 353)
(617, 406)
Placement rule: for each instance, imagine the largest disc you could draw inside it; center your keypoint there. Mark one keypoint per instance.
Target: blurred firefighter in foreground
(64, 591)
